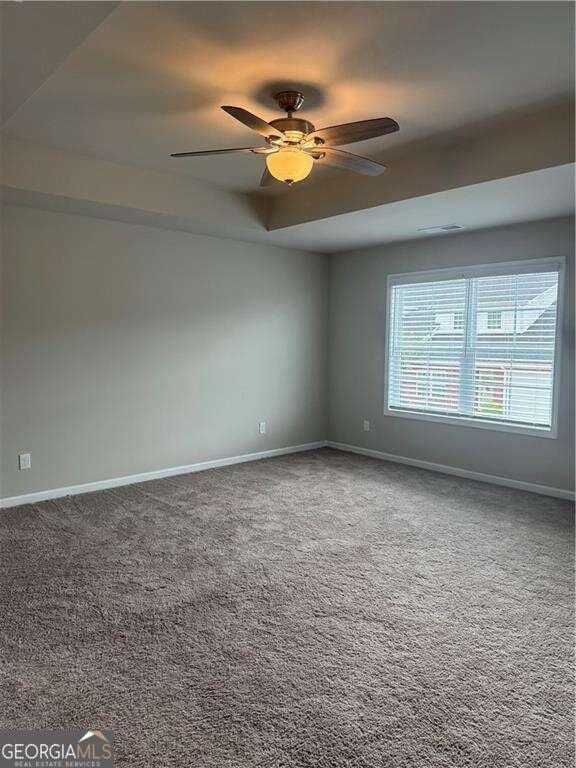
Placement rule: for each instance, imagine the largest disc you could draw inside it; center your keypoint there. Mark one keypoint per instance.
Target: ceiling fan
(293, 144)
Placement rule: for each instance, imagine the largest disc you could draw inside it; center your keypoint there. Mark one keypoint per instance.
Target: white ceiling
(538, 195)
(149, 80)
(547, 193)
(36, 38)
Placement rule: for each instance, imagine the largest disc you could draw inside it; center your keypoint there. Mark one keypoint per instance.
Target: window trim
(522, 266)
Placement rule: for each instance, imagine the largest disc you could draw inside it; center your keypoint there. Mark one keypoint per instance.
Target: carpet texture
(320, 609)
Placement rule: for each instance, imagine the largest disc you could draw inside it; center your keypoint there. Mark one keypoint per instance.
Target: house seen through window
(475, 345)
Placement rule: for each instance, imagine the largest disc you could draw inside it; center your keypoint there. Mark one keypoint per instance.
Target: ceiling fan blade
(267, 178)
(347, 133)
(253, 122)
(267, 150)
(216, 151)
(346, 161)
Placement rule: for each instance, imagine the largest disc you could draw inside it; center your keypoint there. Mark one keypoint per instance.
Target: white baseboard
(115, 482)
(545, 490)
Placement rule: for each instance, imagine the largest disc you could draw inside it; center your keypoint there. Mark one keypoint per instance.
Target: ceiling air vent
(441, 228)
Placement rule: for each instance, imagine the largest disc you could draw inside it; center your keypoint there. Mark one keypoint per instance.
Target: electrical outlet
(262, 427)
(24, 461)
(366, 425)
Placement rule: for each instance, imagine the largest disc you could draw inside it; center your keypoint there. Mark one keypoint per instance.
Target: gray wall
(357, 312)
(129, 349)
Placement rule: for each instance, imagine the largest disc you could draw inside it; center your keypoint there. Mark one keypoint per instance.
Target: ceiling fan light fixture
(293, 144)
(290, 164)
(295, 136)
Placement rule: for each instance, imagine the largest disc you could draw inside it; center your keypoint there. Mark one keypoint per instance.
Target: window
(459, 321)
(475, 345)
(494, 320)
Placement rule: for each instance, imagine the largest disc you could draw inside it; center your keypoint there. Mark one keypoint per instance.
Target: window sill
(463, 421)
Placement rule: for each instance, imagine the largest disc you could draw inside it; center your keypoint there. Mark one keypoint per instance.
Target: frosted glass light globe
(289, 164)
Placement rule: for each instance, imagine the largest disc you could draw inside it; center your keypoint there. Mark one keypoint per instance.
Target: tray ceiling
(150, 78)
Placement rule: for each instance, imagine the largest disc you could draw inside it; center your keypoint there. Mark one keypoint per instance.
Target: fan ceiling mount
(293, 144)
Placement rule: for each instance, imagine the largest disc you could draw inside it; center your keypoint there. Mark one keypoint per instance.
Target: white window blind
(477, 346)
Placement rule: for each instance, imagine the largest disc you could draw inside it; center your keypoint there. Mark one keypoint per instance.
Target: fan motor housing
(292, 124)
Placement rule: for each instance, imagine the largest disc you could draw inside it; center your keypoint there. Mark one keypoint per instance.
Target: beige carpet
(321, 609)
